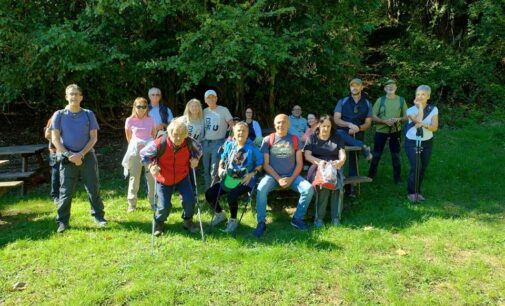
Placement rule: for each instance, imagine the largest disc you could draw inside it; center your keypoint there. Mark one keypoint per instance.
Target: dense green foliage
(269, 54)
(447, 251)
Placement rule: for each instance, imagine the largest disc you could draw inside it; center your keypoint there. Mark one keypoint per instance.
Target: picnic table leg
(24, 163)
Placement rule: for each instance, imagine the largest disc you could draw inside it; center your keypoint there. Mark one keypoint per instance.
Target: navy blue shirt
(354, 112)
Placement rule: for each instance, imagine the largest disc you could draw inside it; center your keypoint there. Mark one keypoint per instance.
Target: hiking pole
(154, 217)
(198, 204)
(419, 149)
(249, 198)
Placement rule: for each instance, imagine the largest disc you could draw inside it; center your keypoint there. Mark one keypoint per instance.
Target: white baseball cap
(210, 92)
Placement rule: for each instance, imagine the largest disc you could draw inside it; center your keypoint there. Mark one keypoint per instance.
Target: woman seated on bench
(241, 161)
(322, 148)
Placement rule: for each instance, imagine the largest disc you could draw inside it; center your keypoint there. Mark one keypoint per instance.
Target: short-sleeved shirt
(325, 149)
(427, 134)
(157, 113)
(297, 126)
(393, 108)
(354, 112)
(282, 154)
(195, 128)
(74, 127)
(141, 127)
(216, 122)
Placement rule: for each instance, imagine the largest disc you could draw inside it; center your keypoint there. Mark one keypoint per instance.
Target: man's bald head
(281, 124)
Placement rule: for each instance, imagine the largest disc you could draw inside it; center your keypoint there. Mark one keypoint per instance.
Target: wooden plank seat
(11, 184)
(357, 180)
(4, 162)
(352, 148)
(16, 175)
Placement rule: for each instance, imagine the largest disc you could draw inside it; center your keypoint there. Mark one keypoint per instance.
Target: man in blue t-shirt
(282, 162)
(353, 116)
(74, 134)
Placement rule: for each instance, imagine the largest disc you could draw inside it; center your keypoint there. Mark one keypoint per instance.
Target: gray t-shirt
(282, 154)
(216, 122)
(74, 127)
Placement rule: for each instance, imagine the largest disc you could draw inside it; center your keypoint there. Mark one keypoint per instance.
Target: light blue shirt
(297, 126)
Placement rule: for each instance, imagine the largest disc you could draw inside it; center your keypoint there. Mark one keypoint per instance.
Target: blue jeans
(164, 204)
(351, 141)
(378, 147)
(410, 150)
(268, 183)
(69, 175)
(55, 176)
(211, 159)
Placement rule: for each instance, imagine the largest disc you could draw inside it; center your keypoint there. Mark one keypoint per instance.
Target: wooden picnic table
(25, 151)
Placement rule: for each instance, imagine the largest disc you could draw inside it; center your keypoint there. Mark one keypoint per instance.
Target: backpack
(86, 111)
(346, 99)
(271, 139)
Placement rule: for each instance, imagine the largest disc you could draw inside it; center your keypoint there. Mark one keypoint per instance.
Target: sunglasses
(355, 109)
(140, 106)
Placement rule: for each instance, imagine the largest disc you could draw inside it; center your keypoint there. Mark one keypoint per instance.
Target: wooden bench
(14, 176)
(12, 184)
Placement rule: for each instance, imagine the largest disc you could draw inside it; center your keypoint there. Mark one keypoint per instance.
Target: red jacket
(174, 166)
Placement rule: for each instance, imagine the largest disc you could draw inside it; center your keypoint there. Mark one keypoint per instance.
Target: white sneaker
(231, 226)
(218, 218)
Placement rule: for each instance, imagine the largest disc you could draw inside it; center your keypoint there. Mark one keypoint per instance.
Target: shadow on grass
(26, 226)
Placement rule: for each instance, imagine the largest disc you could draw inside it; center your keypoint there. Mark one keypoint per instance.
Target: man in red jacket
(169, 165)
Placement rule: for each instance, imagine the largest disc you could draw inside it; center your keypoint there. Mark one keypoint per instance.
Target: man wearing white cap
(217, 119)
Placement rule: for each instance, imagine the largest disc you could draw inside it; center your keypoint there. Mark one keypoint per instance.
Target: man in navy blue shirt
(353, 116)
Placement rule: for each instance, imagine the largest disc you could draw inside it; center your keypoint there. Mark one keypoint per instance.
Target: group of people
(234, 153)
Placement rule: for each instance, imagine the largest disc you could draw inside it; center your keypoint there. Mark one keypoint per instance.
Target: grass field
(449, 250)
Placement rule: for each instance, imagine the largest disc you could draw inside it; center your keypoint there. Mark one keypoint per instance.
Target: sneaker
(367, 153)
(218, 218)
(101, 222)
(420, 197)
(61, 227)
(260, 229)
(413, 198)
(158, 229)
(299, 224)
(190, 226)
(130, 209)
(231, 226)
(335, 222)
(318, 223)
(132, 204)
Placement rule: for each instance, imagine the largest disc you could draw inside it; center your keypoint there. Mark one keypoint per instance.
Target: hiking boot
(318, 223)
(231, 226)
(367, 153)
(158, 229)
(260, 229)
(190, 226)
(61, 227)
(299, 224)
(335, 222)
(218, 218)
(101, 222)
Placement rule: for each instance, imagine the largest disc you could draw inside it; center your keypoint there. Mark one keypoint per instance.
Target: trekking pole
(249, 198)
(155, 202)
(419, 149)
(198, 204)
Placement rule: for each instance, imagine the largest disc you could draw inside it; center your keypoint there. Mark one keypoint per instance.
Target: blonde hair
(134, 109)
(187, 112)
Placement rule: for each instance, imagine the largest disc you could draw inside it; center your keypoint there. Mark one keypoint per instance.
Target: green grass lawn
(449, 250)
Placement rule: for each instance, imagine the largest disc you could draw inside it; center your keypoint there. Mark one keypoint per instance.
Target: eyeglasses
(355, 109)
(155, 95)
(140, 106)
(297, 109)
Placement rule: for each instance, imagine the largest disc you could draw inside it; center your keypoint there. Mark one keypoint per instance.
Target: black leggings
(212, 193)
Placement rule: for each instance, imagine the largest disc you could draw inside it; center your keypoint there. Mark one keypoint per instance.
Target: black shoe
(61, 227)
(158, 229)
